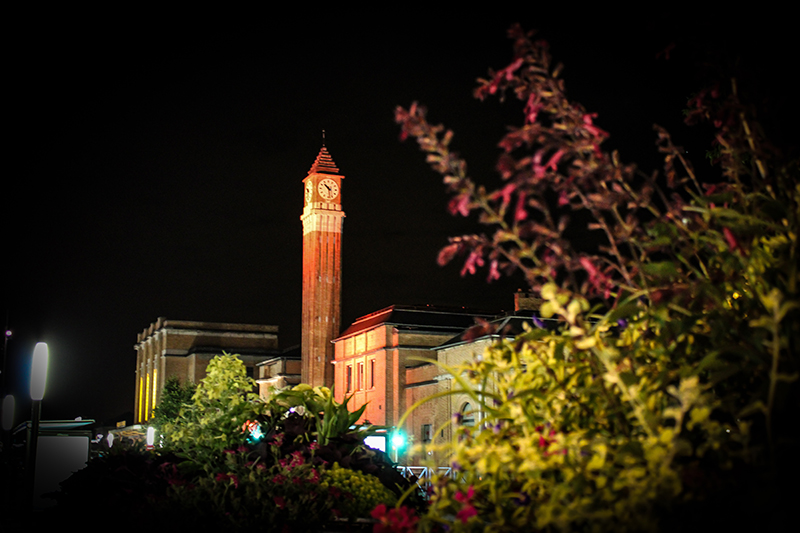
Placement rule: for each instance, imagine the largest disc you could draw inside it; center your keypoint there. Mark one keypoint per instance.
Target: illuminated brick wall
(183, 349)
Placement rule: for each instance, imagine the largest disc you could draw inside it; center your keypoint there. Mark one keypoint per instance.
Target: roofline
(412, 308)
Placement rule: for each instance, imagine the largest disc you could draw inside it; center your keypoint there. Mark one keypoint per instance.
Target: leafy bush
(671, 381)
(174, 397)
(212, 422)
(232, 461)
(360, 493)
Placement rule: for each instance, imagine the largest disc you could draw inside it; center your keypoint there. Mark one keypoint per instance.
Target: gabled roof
(410, 318)
(324, 163)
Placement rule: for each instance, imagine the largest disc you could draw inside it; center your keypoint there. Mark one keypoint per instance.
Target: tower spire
(324, 163)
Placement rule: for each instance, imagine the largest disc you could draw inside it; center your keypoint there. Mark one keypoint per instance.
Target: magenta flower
(402, 520)
(494, 272)
(468, 510)
(730, 238)
(472, 261)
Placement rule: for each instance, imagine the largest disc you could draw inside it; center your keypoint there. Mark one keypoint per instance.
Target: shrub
(672, 376)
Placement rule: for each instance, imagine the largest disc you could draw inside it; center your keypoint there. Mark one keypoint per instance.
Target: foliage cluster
(231, 461)
(174, 396)
(672, 379)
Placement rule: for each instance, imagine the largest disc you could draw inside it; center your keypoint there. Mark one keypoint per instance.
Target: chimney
(526, 301)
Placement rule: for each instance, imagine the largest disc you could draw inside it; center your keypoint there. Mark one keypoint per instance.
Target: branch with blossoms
(553, 169)
(558, 181)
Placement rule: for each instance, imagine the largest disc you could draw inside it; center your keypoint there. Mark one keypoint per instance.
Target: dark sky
(155, 168)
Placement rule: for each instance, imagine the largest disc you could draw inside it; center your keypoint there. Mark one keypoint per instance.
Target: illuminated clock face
(309, 191)
(328, 189)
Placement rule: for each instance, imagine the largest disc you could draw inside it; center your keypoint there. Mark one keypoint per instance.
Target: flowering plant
(673, 371)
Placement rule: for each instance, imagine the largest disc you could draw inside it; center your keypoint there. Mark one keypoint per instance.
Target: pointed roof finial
(324, 163)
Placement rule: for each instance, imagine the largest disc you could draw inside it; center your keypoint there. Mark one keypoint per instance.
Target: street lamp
(38, 381)
(398, 442)
(8, 412)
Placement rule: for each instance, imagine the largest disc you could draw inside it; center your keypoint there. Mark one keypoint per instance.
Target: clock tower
(323, 220)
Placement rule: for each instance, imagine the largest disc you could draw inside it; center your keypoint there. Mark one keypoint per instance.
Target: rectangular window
(349, 378)
(372, 373)
(427, 433)
(360, 377)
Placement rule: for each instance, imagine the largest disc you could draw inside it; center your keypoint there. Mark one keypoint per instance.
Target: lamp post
(38, 381)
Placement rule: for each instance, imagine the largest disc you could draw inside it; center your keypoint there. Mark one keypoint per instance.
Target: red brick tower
(323, 219)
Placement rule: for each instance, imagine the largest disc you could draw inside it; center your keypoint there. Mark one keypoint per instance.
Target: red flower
(494, 272)
(591, 128)
(466, 513)
(402, 520)
(459, 205)
(468, 510)
(554, 159)
(279, 501)
(472, 261)
(520, 213)
(733, 244)
(532, 108)
(226, 477)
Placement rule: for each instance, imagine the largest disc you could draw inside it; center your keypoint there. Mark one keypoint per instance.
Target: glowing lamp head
(151, 435)
(39, 371)
(398, 440)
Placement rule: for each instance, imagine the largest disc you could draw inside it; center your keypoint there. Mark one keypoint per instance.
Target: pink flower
(591, 128)
(226, 477)
(402, 520)
(459, 205)
(279, 501)
(494, 272)
(554, 159)
(468, 510)
(520, 213)
(465, 498)
(505, 194)
(733, 244)
(472, 261)
(532, 108)
(466, 513)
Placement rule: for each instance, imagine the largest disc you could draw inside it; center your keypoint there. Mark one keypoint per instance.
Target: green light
(398, 440)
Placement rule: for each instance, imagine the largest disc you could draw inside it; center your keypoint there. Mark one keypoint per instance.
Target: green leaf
(662, 269)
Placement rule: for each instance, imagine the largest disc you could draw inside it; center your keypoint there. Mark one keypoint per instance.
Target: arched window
(467, 415)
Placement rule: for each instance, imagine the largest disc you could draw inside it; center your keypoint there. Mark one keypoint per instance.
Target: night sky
(156, 168)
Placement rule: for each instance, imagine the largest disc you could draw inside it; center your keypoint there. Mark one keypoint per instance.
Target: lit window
(372, 373)
(467, 415)
(349, 377)
(427, 432)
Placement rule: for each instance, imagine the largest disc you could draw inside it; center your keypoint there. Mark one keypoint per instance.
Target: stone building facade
(388, 361)
(183, 349)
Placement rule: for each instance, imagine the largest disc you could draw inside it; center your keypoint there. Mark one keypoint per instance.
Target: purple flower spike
(538, 322)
